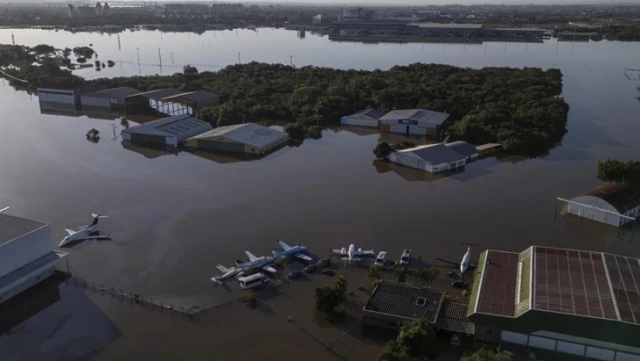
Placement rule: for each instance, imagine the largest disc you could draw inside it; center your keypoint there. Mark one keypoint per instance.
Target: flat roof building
(26, 254)
(432, 158)
(114, 97)
(613, 204)
(364, 118)
(420, 122)
(250, 138)
(464, 148)
(581, 303)
(169, 131)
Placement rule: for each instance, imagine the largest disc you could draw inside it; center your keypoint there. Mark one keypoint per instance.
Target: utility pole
(138, 51)
(172, 59)
(13, 39)
(239, 59)
(119, 47)
(291, 60)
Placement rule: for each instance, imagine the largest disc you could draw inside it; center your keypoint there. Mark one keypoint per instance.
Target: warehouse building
(26, 254)
(562, 303)
(59, 96)
(392, 304)
(364, 118)
(169, 131)
(248, 138)
(450, 30)
(419, 122)
(108, 98)
(432, 158)
(171, 101)
(464, 148)
(612, 204)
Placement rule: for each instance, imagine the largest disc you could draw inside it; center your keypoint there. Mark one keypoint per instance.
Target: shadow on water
(54, 321)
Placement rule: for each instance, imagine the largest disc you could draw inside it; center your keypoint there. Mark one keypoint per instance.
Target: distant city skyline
(371, 2)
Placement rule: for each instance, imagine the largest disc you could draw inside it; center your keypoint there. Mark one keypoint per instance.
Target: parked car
(381, 260)
(460, 284)
(405, 259)
(328, 272)
(294, 274)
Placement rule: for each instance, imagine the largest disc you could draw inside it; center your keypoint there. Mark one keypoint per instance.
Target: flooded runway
(173, 217)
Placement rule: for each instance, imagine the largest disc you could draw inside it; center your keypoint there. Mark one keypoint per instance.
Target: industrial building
(464, 148)
(249, 138)
(26, 254)
(450, 30)
(364, 118)
(420, 122)
(392, 304)
(107, 98)
(613, 204)
(168, 132)
(59, 96)
(171, 101)
(432, 158)
(558, 302)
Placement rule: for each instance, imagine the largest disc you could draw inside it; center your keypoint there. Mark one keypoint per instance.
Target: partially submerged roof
(247, 133)
(418, 115)
(406, 301)
(620, 196)
(435, 153)
(121, 92)
(463, 148)
(194, 96)
(370, 113)
(179, 126)
(158, 94)
(447, 26)
(12, 227)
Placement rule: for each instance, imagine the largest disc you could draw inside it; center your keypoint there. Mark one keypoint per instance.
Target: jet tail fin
(284, 245)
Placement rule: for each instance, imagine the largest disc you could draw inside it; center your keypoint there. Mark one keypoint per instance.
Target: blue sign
(408, 121)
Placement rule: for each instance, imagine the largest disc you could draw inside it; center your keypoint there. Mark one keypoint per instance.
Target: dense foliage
(619, 171)
(382, 150)
(83, 51)
(329, 298)
(48, 74)
(519, 108)
(416, 341)
(44, 49)
(622, 32)
(486, 354)
(426, 275)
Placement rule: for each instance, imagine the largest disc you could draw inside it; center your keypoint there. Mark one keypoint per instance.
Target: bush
(465, 293)
(382, 150)
(83, 51)
(44, 49)
(360, 288)
(250, 298)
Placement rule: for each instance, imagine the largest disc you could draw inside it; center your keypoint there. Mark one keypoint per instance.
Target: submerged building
(613, 204)
(170, 132)
(26, 254)
(248, 138)
(432, 158)
(420, 122)
(365, 118)
(560, 303)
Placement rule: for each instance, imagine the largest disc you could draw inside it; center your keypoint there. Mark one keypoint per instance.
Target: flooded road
(173, 217)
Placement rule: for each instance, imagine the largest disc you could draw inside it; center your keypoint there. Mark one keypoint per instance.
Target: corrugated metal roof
(435, 154)
(463, 148)
(13, 227)
(371, 113)
(620, 196)
(452, 310)
(121, 92)
(179, 126)
(248, 133)
(422, 116)
(194, 96)
(158, 94)
(406, 300)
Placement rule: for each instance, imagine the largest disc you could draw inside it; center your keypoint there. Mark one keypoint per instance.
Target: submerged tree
(416, 341)
(93, 135)
(619, 171)
(382, 150)
(486, 354)
(329, 298)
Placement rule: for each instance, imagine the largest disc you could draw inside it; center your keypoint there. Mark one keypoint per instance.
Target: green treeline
(622, 32)
(520, 108)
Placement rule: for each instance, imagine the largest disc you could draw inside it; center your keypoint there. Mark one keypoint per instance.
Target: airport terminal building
(26, 254)
(558, 304)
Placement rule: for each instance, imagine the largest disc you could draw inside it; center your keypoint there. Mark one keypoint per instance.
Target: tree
(329, 298)
(416, 341)
(619, 171)
(250, 298)
(93, 135)
(44, 49)
(188, 69)
(486, 354)
(382, 150)
(391, 352)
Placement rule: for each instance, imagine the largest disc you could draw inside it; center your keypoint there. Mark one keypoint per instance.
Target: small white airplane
(465, 264)
(226, 273)
(298, 252)
(352, 253)
(84, 233)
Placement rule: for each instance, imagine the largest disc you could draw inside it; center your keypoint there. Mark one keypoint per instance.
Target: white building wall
(543, 343)
(13, 289)
(25, 249)
(417, 130)
(595, 209)
(513, 337)
(401, 129)
(57, 96)
(621, 356)
(359, 122)
(99, 102)
(600, 353)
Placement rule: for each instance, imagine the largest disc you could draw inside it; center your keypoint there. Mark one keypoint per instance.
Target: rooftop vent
(421, 301)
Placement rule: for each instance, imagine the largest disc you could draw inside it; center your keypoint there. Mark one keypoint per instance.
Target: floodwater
(173, 217)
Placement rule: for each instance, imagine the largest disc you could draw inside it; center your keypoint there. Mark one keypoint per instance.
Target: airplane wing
(284, 245)
(457, 264)
(70, 231)
(251, 256)
(303, 257)
(337, 250)
(364, 253)
(222, 268)
(269, 269)
(104, 236)
(3, 209)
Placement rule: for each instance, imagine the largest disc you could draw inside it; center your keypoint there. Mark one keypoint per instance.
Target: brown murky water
(173, 217)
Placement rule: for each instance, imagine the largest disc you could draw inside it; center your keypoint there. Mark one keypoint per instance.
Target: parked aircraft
(299, 252)
(465, 263)
(84, 233)
(352, 253)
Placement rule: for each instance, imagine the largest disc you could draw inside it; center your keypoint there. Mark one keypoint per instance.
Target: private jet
(464, 264)
(84, 233)
(299, 252)
(352, 253)
(260, 263)
(226, 273)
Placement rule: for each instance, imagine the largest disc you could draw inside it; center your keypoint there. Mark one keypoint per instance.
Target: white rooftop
(179, 126)
(247, 133)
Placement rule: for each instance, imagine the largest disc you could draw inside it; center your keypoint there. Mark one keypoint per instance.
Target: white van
(255, 280)
(381, 259)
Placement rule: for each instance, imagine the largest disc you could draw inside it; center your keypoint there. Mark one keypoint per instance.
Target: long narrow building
(552, 301)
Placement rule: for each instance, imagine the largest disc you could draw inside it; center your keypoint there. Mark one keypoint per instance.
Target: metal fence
(594, 219)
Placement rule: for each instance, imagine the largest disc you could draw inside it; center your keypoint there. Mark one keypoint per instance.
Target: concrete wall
(27, 281)
(25, 249)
